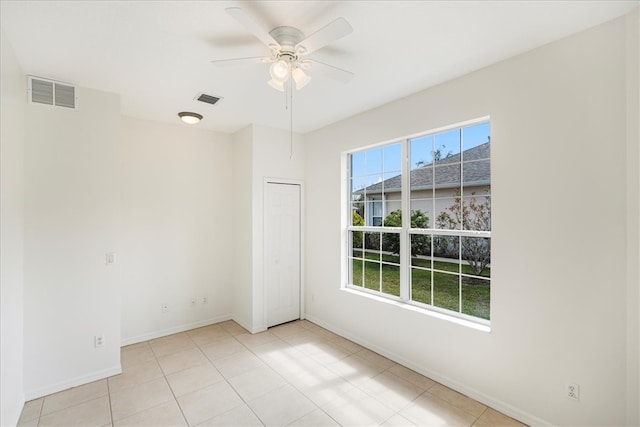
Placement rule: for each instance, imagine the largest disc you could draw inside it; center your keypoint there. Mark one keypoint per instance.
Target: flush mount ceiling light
(190, 118)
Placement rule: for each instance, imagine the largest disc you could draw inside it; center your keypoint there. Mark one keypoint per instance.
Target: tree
(420, 244)
(472, 215)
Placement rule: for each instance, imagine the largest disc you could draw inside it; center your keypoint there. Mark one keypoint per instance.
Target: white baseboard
(483, 398)
(174, 330)
(74, 382)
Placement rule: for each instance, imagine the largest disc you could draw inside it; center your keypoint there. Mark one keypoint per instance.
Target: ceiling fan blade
(325, 35)
(330, 71)
(240, 61)
(239, 15)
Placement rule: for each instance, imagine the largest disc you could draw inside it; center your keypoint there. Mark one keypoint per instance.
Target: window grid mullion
(405, 238)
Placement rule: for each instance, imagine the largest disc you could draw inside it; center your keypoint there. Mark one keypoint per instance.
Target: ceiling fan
(289, 49)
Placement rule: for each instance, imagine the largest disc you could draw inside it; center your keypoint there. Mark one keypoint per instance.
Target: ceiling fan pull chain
(291, 120)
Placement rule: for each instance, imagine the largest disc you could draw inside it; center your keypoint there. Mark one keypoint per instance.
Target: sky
(381, 163)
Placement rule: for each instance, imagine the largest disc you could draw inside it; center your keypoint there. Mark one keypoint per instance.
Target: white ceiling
(156, 54)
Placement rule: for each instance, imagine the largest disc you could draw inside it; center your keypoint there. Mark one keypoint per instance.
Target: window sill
(416, 309)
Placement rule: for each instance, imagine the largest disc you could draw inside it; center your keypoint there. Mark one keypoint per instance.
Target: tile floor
(296, 374)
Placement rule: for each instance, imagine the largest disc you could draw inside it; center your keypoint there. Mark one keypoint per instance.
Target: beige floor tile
(355, 369)
(193, 379)
(346, 344)
(304, 341)
(317, 418)
(458, 400)
(182, 360)
(256, 382)
(240, 416)
(429, 410)
(171, 344)
(202, 405)
(90, 413)
(493, 418)
(391, 390)
(287, 329)
(135, 375)
(375, 358)
(31, 410)
(166, 414)
(357, 408)
(397, 421)
(281, 406)
(255, 340)
(233, 328)
(73, 396)
(28, 423)
(327, 352)
(412, 376)
(328, 391)
(139, 398)
(237, 363)
(222, 348)
(208, 335)
(136, 355)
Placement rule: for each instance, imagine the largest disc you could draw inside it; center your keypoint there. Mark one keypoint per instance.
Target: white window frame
(406, 231)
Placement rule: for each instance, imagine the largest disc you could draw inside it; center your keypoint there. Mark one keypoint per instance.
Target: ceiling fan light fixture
(277, 85)
(300, 77)
(190, 118)
(279, 71)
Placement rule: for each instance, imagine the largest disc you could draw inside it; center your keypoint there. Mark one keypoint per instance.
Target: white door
(282, 252)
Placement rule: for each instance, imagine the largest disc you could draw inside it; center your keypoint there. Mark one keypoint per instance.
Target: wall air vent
(209, 99)
(50, 92)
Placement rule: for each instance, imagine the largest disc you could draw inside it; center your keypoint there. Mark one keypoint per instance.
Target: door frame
(283, 181)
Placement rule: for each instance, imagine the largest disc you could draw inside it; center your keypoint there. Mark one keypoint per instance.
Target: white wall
(71, 219)
(558, 309)
(633, 218)
(242, 227)
(259, 153)
(176, 236)
(13, 89)
(273, 157)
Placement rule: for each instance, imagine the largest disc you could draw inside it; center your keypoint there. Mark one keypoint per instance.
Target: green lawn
(446, 289)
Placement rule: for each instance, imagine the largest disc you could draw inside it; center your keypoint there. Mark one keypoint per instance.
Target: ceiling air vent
(50, 92)
(209, 99)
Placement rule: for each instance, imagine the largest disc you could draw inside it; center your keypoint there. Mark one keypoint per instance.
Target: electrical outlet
(165, 308)
(573, 392)
(193, 302)
(98, 341)
(204, 300)
(110, 258)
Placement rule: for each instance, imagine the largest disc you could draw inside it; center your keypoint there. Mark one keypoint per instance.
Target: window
(438, 255)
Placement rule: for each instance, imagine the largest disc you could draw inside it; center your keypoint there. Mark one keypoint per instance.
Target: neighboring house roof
(477, 171)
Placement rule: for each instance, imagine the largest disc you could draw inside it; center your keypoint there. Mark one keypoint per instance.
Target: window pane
(421, 285)
(477, 213)
(476, 297)
(357, 243)
(372, 275)
(475, 136)
(372, 245)
(449, 213)
(476, 252)
(357, 164)
(356, 272)
(391, 247)
(392, 158)
(476, 173)
(357, 214)
(391, 279)
(446, 147)
(373, 161)
(421, 149)
(446, 291)
(420, 247)
(447, 251)
(447, 177)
